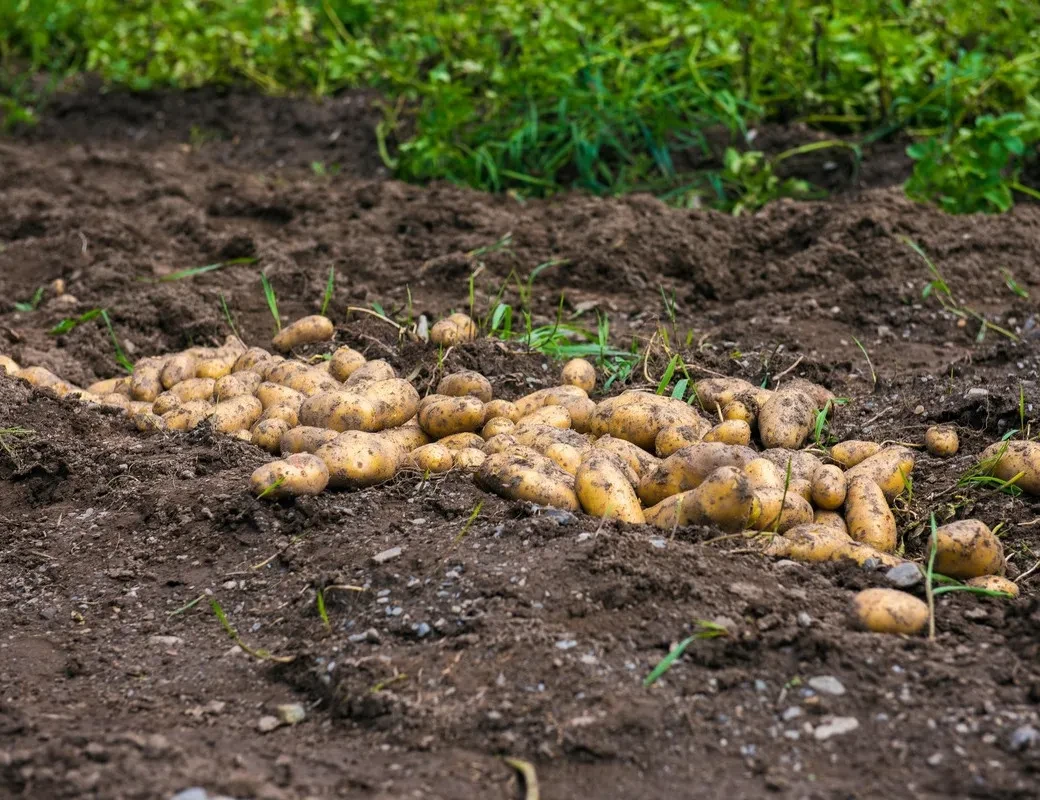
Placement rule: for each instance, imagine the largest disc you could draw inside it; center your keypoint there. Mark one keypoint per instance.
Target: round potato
(832, 518)
(433, 458)
(180, 367)
(188, 416)
(441, 416)
(146, 383)
(868, 516)
(889, 611)
(215, 367)
(801, 465)
(566, 456)
(811, 543)
(527, 476)
(687, 468)
(994, 583)
(579, 372)
(737, 410)
(638, 460)
(829, 487)
(580, 410)
(1006, 460)
(675, 437)
(764, 474)
(267, 434)
(497, 425)
(287, 413)
(394, 401)
(454, 329)
(345, 362)
(409, 437)
(723, 499)
(715, 393)
(250, 359)
(305, 439)
(468, 459)
(500, 443)
(967, 548)
(370, 372)
(466, 383)
(236, 414)
(638, 417)
(942, 441)
(604, 489)
(556, 416)
(108, 386)
(299, 474)
(501, 408)
(339, 411)
(461, 441)
(357, 459)
(308, 330)
(732, 431)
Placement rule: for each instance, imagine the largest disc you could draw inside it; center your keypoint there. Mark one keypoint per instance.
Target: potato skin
(250, 359)
(344, 362)
(466, 383)
(641, 462)
(566, 456)
(357, 459)
(394, 401)
(868, 516)
(267, 434)
(941, 441)
(739, 410)
(580, 410)
(687, 468)
(107, 386)
(10, 367)
(527, 476)
(497, 425)
(579, 372)
(339, 411)
(146, 383)
(715, 393)
(642, 416)
(724, 499)
(831, 519)
(454, 329)
(967, 548)
(764, 474)
(786, 419)
(829, 487)
(555, 416)
(301, 474)
(1007, 459)
(188, 416)
(779, 511)
(441, 416)
(501, 408)
(889, 611)
(409, 437)
(603, 489)
(286, 413)
(802, 465)
(468, 459)
(180, 367)
(305, 439)
(238, 413)
(307, 330)
(995, 583)
(236, 384)
(432, 458)
(675, 437)
(810, 542)
(732, 431)
(849, 454)
(888, 469)
(215, 367)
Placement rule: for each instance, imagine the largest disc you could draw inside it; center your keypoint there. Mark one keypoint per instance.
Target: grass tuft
(272, 301)
(705, 630)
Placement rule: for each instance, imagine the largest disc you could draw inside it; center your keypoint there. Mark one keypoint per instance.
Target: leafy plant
(272, 301)
(705, 630)
(34, 301)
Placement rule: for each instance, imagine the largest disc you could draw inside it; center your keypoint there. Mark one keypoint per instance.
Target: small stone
(559, 516)
(835, 726)
(166, 641)
(790, 713)
(193, 793)
(748, 591)
(804, 620)
(566, 644)
(827, 684)
(387, 555)
(372, 636)
(659, 543)
(291, 713)
(919, 410)
(935, 759)
(905, 575)
(48, 612)
(1024, 737)
(976, 393)
(268, 724)
(422, 629)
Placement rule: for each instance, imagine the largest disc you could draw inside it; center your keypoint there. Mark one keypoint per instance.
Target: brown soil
(528, 633)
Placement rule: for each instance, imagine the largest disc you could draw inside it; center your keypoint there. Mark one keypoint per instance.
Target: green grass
(705, 630)
(33, 303)
(69, 324)
(330, 287)
(604, 96)
(272, 301)
(193, 272)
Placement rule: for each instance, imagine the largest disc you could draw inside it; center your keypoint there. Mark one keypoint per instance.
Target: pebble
(790, 713)
(905, 575)
(566, 644)
(268, 723)
(193, 793)
(422, 629)
(291, 713)
(804, 620)
(560, 516)
(835, 726)
(935, 759)
(387, 555)
(1024, 737)
(659, 543)
(166, 641)
(827, 684)
(976, 392)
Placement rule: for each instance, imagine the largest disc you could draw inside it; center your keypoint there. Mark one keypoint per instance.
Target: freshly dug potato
(802, 465)
(942, 441)
(527, 476)
(540, 437)
(556, 416)
(369, 372)
(235, 385)
(468, 459)
(530, 402)
(461, 441)
(604, 490)
(889, 611)
(9, 366)
(236, 414)
(675, 437)
(115, 400)
(215, 367)
(786, 419)
(641, 462)
(267, 434)
(995, 583)
(345, 362)
(180, 367)
(738, 410)
(780, 512)
(165, 403)
(849, 454)
(308, 330)
(409, 437)
(641, 416)
(810, 542)
(724, 499)
(146, 421)
(831, 518)
(146, 382)
(829, 487)
(193, 389)
(251, 358)
(287, 413)
(889, 469)
(339, 411)
(566, 456)
(501, 408)
(497, 425)
(281, 372)
(819, 395)
(107, 386)
(466, 383)
(715, 393)
(868, 516)
(296, 475)
(357, 459)
(140, 407)
(305, 439)
(454, 329)
(500, 443)
(687, 468)
(188, 416)
(433, 458)
(732, 431)
(967, 548)
(1005, 460)
(764, 474)
(442, 416)
(394, 400)
(311, 381)
(579, 372)
(580, 410)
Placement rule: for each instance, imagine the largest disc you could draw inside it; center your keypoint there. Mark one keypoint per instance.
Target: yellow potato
(995, 583)
(146, 383)
(311, 381)
(942, 441)
(305, 439)
(889, 611)
(345, 362)
(296, 475)
(604, 490)
(240, 383)
(180, 367)
(236, 414)
(147, 422)
(271, 395)
(501, 408)
(778, 511)
(831, 518)
(140, 407)
(687, 468)
(287, 413)
(243, 435)
(801, 464)
(868, 516)
(281, 372)
(357, 459)
(579, 372)
(556, 416)
(675, 437)
(250, 359)
(716, 393)
(810, 542)
(580, 410)
(166, 402)
(737, 410)
(433, 458)
(339, 411)
(267, 434)
(530, 402)
(967, 548)
(466, 383)
(732, 431)
(454, 329)
(566, 456)
(108, 386)
(308, 330)
(409, 437)
(527, 476)
(394, 401)
(193, 389)
(442, 416)
(369, 372)
(849, 454)
(819, 395)
(786, 419)
(115, 400)
(188, 416)
(829, 487)
(889, 469)
(468, 459)
(10, 367)
(1005, 460)
(462, 441)
(724, 499)
(638, 417)
(215, 367)
(764, 474)
(500, 443)
(497, 425)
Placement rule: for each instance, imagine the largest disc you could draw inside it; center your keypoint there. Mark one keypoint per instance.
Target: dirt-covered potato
(395, 401)
(281, 372)
(466, 383)
(868, 516)
(311, 381)
(339, 411)
(188, 416)
(831, 518)
(724, 499)
(1005, 460)
(236, 414)
(556, 416)
(296, 475)
(305, 439)
(250, 359)
(357, 459)
(146, 383)
(819, 394)
(811, 543)
(274, 394)
(267, 434)
(716, 393)
(779, 511)
(460, 441)
(641, 462)
(115, 400)
(442, 416)
(889, 469)
(147, 422)
(638, 417)
(454, 329)
(786, 419)
(216, 366)
(9, 366)
(370, 372)
(579, 372)
(408, 436)
(687, 468)
(732, 431)
(501, 408)
(941, 441)
(497, 425)
(192, 389)
(178, 368)
(738, 410)
(604, 489)
(527, 476)
(854, 451)
(500, 443)
(675, 437)
(468, 459)
(433, 458)
(566, 456)
(829, 487)
(235, 385)
(802, 465)
(580, 409)
(165, 403)
(889, 611)
(308, 330)
(967, 548)
(345, 362)
(107, 386)
(995, 583)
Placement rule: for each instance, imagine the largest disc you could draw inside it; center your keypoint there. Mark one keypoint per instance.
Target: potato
(140, 407)
(733, 431)
(764, 474)
(580, 410)
(188, 416)
(308, 330)
(146, 383)
(409, 437)
(777, 511)
(687, 468)
(941, 440)
(466, 383)
(115, 400)
(215, 367)
(832, 519)
(433, 458)
(716, 393)
(10, 367)
(639, 461)
(638, 417)
(108, 386)
(530, 403)
(995, 583)
(454, 329)
(802, 465)
(501, 408)
(786, 419)
(369, 372)
(305, 439)
(497, 425)
(868, 516)
(889, 469)
(267, 434)
(236, 414)
(579, 372)
(249, 359)
(737, 410)
(566, 456)
(180, 367)
(394, 401)
(236, 385)
(281, 372)
(527, 476)
(146, 421)
(967, 548)
(345, 362)
(468, 459)
(819, 395)
(1005, 460)
(675, 437)
(889, 611)
(357, 459)
(849, 454)
(442, 416)
(604, 490)
(165, 403)
(461, 441)
(193, 389)
(298, 474)
(311, 381)
(829, 487)
(724, 499)
(556, 416)
(500, 443)
(339, 411)
(810, 542)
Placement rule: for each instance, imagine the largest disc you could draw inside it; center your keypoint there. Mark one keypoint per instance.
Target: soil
(511, 631)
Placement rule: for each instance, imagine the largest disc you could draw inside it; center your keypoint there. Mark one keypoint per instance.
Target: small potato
(146, 383)
(180, 367)
(236, 414)
(281, 372)
(165, 403)
(409, 437)
(942, 441)
(556, 416)
(995, 583)
(216, 367)
(849, 454)
(1005, 460)
(357, 459)
(308, 330)
(305, 439)
(501, 408)
(442, 416)
(433, 458)
(639, 461)
(497, 425)
(716, 393)
(188, 416)
(868, 516)
(579, 372)
(580, 410)
(267, 434)
(466, 383)
(146, 421)
(777, 511)
(193, 389)
(967, 548)
(810, 542)
(800, 487)
(832, 519)
(115, 400)
(240, 383)
(140, 407)
(287, 413)
(527, 476)
(369, 372)
(738, 410)
(723, 499)
(462, 441)
(687, 468)
(566, 456)
(889, 611)
(604, 490)
(250, 359)
(786, 419)
(889, 469)
(468, 459)
(733, 431)
(298, 474)
(675, 437)
(108, 386)
(345, 362)
(10, 367)
(829, 487)
(530, 402)
(38, 376)
(454, 329)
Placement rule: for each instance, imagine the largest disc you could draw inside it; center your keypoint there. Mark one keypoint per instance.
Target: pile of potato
(639, 458)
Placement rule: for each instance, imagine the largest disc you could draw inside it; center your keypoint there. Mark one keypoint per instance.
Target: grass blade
(272, 301)
(330, 286)
(192, 272)
(706, 630)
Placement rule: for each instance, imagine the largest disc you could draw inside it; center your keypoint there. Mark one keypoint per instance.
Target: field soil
(521, 632)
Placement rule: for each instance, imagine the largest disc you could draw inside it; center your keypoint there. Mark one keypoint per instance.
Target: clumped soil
(527, 633)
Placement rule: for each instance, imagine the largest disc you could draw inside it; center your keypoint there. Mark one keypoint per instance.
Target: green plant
(1012, 284)
(227, 316)
(704, 630)
(870, 364)
(330, 287)
(272, 301)
(193, 272)
(33, 302)
(70, 323)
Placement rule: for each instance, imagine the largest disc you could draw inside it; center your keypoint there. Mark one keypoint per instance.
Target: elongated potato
(296, 475)
(370, 372)
(995, 583)
(732, 431)
(777, 511)
(468, 459)
(889, 611)
(236, 414)
(967, 548)
(724, 499)
(281, 372)
(433, 458)
(107, 386)
(764, 474)
(466, 383)
(716, 393)
(188, 416)
(675, 437)
(115, 400)
(818, 394)
(604, 490)
(687, 468)
(1005, 460)
(942, 441)
(442, 416)
(738, 410)
(305, 439)
(810, 542)
(889, 469)
(579, 372)
(829, 487)
(178, 368)
(454, 329)
(339, 411)
(527, 476)
(216, 366)
(556, 416)
(193, 389)
(357, 459)
(501, 408)
(461, 441)
(311, 381)
(146, 382)
(267, 434)
(868, 516)
(409, 437)
(530, 402)
(786, 419)
(641, 418)
(344, 362)
(147, 422)
(854, 451)
(10, 367)
(308, 330)
(497, 425)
